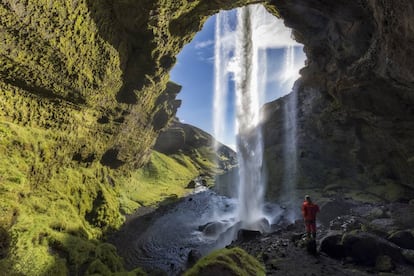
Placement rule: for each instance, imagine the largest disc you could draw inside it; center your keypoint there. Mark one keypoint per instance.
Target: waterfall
(241, 60)
(288, 194)
(249, 136)
(289, 73)
(222, 50)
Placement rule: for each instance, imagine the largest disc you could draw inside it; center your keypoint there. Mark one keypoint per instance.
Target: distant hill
(183, 139)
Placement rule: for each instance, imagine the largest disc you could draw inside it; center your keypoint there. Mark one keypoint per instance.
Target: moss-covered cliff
(84, 93)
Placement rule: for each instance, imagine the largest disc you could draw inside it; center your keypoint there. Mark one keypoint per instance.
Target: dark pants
(310, 227)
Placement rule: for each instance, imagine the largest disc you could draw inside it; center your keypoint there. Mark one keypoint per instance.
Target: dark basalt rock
(408, 255)
(384, 264)
(404, 239)
(191, 185)
(214, 228)
(193, 256)
(365, 248)
(346, 223)
(331, 245)
(349, 114)
(244, 235)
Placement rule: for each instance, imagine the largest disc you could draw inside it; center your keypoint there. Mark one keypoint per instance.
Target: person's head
(307, 198)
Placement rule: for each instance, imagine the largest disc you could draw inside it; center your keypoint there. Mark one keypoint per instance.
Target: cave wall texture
(355, 99)
(85, 91)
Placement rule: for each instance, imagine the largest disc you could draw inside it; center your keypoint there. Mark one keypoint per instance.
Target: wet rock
(213, 228)
(384, 264)
(191, 185)
(193, 256)
(383, 226)
(311, 246)
(265, 257)
(334, 209)
(346, 223)
(296, 237)
(370, 212)
(404, 239)
(365, 248)
(247, 235)
(403, 214)
(331, 245)
(408, 255)
(275, 264)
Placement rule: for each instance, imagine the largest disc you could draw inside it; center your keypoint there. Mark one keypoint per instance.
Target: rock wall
(355, 99)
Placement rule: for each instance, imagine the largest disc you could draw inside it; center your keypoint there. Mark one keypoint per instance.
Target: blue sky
(194, 70)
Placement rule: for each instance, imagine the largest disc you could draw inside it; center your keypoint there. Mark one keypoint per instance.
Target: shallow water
(204, 221)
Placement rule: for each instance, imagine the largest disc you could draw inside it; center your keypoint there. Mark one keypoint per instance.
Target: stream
(163, 239)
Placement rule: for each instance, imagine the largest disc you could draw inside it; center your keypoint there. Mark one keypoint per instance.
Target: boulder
(333, 209)
(383, 226)
(408, 255)
(346, 223)
(213, 228)
(191, 185)
(193, 256)
(365, 248)
(404, 239)
(384, 264)
(331, 245)
(247, 235)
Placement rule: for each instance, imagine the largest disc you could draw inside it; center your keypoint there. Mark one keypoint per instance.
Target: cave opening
(281, 59)
(241, 60)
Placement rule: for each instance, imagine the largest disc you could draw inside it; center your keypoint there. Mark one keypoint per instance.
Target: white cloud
(203, 44)
(232, 146)
(269, 31)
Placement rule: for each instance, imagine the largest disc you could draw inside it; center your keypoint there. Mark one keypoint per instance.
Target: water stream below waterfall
(164, 238)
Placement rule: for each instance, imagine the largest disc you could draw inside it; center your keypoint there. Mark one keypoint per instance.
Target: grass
(234, 261)
(56, 221)
(161, 178)
(48, 221)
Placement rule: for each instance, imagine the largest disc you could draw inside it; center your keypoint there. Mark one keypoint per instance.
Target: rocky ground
(354, 238)
(368, 239)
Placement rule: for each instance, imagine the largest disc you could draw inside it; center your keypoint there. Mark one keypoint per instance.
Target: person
(309, 211)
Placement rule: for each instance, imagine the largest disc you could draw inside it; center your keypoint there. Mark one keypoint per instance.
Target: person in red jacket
(309, 210)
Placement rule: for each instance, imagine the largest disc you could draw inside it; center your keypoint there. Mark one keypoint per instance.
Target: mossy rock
(224, 262)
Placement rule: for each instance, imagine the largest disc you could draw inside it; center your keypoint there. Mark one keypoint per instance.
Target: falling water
(249, 134)
(222, 50)
(288, 194)
(241, 53)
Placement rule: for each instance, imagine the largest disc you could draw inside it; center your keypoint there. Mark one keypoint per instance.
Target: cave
(96, 74)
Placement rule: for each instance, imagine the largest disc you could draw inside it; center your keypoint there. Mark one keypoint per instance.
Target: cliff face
(355, 99)
(85, 92)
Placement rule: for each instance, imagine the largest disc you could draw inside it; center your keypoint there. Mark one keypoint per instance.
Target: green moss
(65, 67)
(233, 261)
(162, 177)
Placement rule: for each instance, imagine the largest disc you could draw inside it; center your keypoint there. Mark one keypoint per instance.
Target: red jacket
(309, 210)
